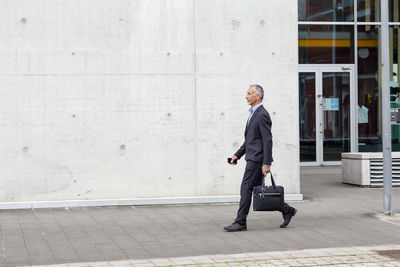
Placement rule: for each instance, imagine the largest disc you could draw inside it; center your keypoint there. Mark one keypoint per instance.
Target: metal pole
(386, 124)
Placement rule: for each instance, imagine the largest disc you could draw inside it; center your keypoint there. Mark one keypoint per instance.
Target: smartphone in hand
(234, 162)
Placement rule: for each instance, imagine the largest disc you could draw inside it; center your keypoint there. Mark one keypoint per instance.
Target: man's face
(251, 97)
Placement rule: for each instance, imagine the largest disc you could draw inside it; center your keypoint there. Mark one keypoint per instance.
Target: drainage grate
(376, 172)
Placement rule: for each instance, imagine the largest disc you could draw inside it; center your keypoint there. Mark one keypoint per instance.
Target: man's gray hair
(258, 90)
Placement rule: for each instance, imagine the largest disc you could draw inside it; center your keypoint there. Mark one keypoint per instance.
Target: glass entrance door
(326, 114)
(335, 115)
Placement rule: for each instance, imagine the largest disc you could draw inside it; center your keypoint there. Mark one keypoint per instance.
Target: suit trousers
(252, 177)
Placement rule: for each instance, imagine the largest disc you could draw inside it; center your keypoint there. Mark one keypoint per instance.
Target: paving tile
(18, 263)
(57, 239)
(110, 251)
(120, 264)
(126, 242)
(64, 252)
(16, 255)
(202, 259)
(277, 255)
(42, 260)
(220, 264)
(50, 228)
(277, 262)
(137, 254)
(77, 264)
(14, 240)
(74, 232)
(182, 260)
(11, 232)
(161, 262)
(98, 264)
(305, 261)
(220, 258)
(140, 261)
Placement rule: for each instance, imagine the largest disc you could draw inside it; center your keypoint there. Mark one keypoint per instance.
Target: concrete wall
(138, 99)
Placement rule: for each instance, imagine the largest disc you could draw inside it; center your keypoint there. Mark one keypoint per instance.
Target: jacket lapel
(251, 119)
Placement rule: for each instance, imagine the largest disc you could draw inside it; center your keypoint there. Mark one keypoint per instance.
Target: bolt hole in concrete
(23, 20)
(169, 114)
(25, 149)
(122, 147)
(235, 24)
(73, 116)
(170, 178)
(262, 22)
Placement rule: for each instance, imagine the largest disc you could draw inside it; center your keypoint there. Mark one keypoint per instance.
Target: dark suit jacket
(258, 138)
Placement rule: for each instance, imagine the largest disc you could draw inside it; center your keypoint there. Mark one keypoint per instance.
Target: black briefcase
(268, 198)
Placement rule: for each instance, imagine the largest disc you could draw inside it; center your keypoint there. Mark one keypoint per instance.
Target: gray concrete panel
(98, 137)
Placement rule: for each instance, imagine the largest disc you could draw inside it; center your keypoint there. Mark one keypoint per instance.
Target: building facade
(340, 80)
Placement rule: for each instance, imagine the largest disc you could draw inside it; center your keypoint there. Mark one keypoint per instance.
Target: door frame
(318, 69)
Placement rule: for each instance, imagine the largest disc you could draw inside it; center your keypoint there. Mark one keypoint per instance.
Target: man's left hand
(265, 170)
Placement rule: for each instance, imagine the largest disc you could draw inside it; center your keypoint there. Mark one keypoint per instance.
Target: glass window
(368, 10)
(308, 143)
(336, 117)
(369, 123)
(327, 10)
(370, 90)
(394, 38)
(394, 10)
(326, 44)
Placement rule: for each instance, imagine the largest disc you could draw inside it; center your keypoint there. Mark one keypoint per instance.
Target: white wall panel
(238, 46)
(97, 137)
(248, 37)
(96, 37)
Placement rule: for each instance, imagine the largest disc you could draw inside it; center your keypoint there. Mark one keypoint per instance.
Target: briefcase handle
(272, 180)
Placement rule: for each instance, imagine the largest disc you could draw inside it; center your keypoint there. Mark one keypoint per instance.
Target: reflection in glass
(307, 117)
(336, 114)
(368, 10)
(327, 10)
(369, 129)
(326, 44)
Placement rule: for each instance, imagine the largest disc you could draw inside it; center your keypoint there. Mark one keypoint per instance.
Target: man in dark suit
(258, 149)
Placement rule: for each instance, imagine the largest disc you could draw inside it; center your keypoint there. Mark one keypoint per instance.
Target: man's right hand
(233, 158)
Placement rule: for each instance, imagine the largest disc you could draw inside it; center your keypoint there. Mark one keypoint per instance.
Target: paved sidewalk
(349, 256)
(332, 215)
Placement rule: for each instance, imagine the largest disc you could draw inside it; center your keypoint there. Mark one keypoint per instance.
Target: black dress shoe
(234, 227)
(288, 217)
